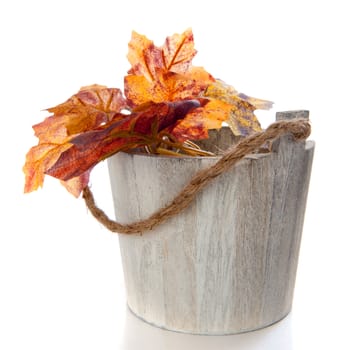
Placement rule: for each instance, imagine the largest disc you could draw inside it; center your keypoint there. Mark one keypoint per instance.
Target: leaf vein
(176, 54)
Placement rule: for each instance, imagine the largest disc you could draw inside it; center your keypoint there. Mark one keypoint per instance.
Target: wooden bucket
(227, 264)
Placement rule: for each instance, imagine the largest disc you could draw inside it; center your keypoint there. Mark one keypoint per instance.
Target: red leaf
(134, 130)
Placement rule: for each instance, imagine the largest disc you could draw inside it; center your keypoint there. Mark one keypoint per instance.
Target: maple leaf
(175, 55)
(38, 160)
(239, 108)
(91, 107)
(178, 52)
(168, 102)
(169, 86)
(76, 185)
(163, 73)
(144, 56)
(126, 132)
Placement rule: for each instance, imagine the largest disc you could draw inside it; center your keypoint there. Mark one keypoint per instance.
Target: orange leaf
(77, 184)
(196, 124)
(174, 56)
(139, 90)
(52, 130)
(178, 52)
(164, 73)
(169, 87)
(189, 85)
(91, 107)
(169, 101)
(144, 56)
(38, 160)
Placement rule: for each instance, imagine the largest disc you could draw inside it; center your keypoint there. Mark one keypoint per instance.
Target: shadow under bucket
(226, 264)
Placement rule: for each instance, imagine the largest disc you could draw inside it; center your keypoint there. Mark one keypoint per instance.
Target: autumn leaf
(135, 130)
(169, 87)
(224, 92)
(168, 102)
(196, 124)
(91, 107)
(138, 89)
(76, 185)
(38, 160)
(144, 57)
(164, 73)
(238, 107)
(174, 56)
(42, 157)
(178, 52)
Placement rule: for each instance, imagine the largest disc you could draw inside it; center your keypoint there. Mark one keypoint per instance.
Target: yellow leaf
(241, 117)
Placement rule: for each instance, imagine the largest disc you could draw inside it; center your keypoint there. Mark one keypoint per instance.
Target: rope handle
(299, 128)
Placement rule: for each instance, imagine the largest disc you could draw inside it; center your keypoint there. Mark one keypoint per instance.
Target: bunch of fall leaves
(167, 104)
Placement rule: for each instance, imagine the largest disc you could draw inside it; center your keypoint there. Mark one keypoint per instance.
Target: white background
(61, 283)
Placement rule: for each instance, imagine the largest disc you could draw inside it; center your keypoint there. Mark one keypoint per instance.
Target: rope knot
(303, 130)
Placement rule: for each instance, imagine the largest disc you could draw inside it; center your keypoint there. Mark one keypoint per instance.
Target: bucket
(227, 264)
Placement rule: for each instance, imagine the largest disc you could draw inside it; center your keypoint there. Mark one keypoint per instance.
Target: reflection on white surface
(140, 335)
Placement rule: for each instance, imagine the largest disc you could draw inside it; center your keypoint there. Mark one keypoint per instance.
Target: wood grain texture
(228, 263)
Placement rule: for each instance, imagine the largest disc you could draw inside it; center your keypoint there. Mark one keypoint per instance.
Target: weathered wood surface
(227, 264)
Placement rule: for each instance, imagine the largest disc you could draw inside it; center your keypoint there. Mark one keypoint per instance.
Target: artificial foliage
(166, 106)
